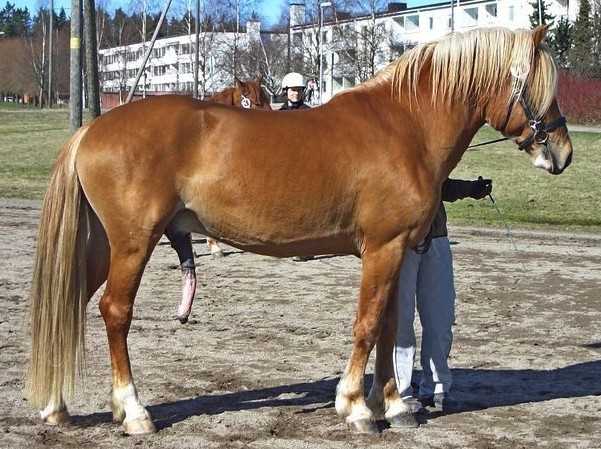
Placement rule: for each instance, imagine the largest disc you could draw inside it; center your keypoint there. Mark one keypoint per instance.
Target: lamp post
(322, 5)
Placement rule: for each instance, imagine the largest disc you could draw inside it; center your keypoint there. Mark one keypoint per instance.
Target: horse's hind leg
(379, 277)
(181, 241)
(214, 247)
(128, 259)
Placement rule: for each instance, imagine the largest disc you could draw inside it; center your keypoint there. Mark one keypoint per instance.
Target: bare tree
(37, 47)
(361, 44)
(265, 57)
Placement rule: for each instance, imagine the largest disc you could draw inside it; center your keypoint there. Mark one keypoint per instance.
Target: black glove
(481, 188)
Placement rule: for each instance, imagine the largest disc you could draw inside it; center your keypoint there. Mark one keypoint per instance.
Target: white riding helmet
(293, 79)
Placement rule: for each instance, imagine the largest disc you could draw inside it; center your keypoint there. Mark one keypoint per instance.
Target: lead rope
(509, 233)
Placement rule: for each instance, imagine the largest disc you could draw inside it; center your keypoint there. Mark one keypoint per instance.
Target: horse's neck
(445, 130)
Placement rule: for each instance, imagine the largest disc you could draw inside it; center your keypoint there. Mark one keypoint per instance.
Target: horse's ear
(539, 33)
(237, 83)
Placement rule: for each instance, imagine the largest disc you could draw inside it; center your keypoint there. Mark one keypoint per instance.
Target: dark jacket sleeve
(456, 189)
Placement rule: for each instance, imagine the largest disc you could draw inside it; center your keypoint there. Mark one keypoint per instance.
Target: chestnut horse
(246, 95)
(360, 175)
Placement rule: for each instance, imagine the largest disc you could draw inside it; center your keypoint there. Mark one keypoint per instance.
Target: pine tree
(561, 41)
(582, 58)
(6, 18)
(60, 20)
(545, 16)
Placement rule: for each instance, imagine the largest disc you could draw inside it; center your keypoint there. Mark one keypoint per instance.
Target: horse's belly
(274, 232)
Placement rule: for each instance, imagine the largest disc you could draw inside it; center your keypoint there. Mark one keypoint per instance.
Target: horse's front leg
(128, 259)
(384, 399)
(380, 270)
(182, 243)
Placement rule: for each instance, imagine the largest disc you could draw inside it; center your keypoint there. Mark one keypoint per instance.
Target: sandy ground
(258, 363)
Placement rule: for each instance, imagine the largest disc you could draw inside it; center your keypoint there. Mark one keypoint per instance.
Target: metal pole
(540, 12)
(196, 49)
(319, 36)
(144, 43)
(154, 38)
(51, 28)
(75, 67)
(452, 16)
(89, 10)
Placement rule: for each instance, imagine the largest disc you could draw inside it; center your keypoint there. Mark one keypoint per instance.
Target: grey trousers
(425, 281)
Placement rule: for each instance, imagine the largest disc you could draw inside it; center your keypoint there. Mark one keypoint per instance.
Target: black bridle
(540, 130)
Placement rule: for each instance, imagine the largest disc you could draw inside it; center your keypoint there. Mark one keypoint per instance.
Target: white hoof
(139, 426)
(57, 418)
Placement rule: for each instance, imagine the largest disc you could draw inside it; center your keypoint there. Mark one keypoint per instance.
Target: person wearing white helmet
(293, 85)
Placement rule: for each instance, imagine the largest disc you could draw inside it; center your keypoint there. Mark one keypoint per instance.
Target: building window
(412, 23)
(431, 22)
(511, 9)
(492, 9)
(297, 40)
(450, 23)
(472, 14)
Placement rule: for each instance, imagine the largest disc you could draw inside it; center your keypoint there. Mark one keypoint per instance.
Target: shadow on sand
(475, 389)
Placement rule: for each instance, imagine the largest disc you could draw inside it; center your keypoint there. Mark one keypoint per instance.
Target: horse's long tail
(59, 287)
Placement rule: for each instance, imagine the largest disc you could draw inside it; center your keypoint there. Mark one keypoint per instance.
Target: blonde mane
(474, 64)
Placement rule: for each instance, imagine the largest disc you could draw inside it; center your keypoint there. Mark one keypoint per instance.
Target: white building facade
(400, 27)
(170, 67)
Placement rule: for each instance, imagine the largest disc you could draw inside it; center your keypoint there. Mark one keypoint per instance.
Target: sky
(269, 9)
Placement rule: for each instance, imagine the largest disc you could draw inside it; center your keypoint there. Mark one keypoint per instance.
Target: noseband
(540, 130)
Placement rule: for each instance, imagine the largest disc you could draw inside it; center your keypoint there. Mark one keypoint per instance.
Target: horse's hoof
(118, 416)
(364, 426)
(59, 418)
(138, 426)
(217, 254)
(403, 420)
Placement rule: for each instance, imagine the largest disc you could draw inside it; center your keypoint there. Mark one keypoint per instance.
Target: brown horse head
(245, 95)
(532, 116)
(505, 78)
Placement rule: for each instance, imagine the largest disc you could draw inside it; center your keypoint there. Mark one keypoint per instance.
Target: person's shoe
(302, 258)
(440, 403)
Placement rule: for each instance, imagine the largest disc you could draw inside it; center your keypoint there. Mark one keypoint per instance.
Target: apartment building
(170, 67)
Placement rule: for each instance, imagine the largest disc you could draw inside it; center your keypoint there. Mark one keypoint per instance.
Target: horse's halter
(540, 130)
(245, 102)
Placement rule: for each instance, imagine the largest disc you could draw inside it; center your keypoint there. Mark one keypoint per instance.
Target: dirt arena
(258, 363)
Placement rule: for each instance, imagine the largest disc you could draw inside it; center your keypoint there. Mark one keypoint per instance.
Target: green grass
(528, 196)
(30, 140)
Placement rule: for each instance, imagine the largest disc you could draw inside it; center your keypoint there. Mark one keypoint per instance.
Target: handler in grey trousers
(426, 280)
